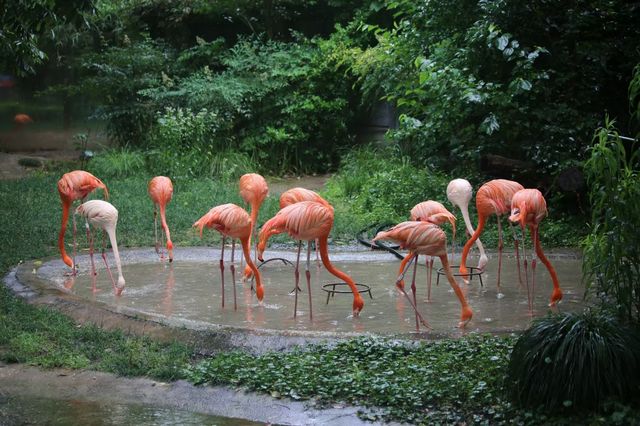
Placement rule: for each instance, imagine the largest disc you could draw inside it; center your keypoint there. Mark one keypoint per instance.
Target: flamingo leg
(500, 247)
(401, 288)
(316, 244)
(104, 258)
(233, 275)
(74, 272)
(429, 265)
(222, 267)
(413, 290)
(90, 238)
(162, 245)
(307, 273)
(526, 274)
(515, 244)
(534, 235)
(155, 227)
(297, 277)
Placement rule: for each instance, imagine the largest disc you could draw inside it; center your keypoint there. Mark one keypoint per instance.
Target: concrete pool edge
(25, 282)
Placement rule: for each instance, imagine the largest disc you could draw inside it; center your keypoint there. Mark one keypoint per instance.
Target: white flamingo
(459, 193)
(101, 214)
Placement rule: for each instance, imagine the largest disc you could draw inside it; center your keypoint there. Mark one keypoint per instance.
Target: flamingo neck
(66, 206)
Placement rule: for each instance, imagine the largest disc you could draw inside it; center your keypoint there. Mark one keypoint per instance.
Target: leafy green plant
(441, 381)
(575, 362)
(611, 250)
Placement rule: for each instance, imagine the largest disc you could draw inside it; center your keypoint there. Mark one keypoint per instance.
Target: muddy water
(23, 410)
(191, 291)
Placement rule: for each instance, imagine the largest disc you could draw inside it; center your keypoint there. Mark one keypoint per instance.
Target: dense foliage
(612, 250)
(575, 362)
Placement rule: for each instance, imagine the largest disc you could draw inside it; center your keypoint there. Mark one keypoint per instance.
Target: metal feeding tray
(473, 272)
(343, 288)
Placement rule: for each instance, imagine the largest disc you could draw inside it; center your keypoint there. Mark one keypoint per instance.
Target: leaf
(502, 42)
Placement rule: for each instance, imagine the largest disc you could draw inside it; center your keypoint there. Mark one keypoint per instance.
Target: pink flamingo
(307, 221)
(253, 190)
(75, 185)
(432, 212)
(298, 194)
(494, 197)
(161, 190)
(424, 238)
(101, 214)
(232, 221)
(528, 207)
(459, 193)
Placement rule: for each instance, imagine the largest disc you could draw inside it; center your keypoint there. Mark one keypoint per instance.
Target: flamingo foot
(465, 317)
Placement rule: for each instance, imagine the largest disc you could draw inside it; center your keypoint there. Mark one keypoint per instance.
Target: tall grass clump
(611, 263)
(118, 163)
(575, 361)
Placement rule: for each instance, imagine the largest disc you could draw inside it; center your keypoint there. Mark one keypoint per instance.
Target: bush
(379, 186)
(612, 250)
(575, 362)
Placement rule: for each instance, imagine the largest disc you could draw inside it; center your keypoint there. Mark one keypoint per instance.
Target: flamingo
(101, 214)
(75, 185)
(161, 190)
(459, 193)
(494, 197)
(21, 120)
(295, 195)
(232, 221)
(528, 207)
(432, 212)
(253, 190)
(425, 238)
(306, 221)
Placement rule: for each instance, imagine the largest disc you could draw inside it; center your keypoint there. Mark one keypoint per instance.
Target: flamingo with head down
(493, 198)
(528, 208)
(232, 221)
(425, 238)
(307, 221)
(253, 190)
(72, 186)
(459, 193)
(161, 190)
(432, 212)
(101, 214)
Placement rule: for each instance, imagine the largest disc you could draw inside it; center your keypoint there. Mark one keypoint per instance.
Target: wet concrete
(32, 396)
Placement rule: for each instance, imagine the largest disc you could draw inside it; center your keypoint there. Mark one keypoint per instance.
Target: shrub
(575, 361)
(612, 250)
(378, 186)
